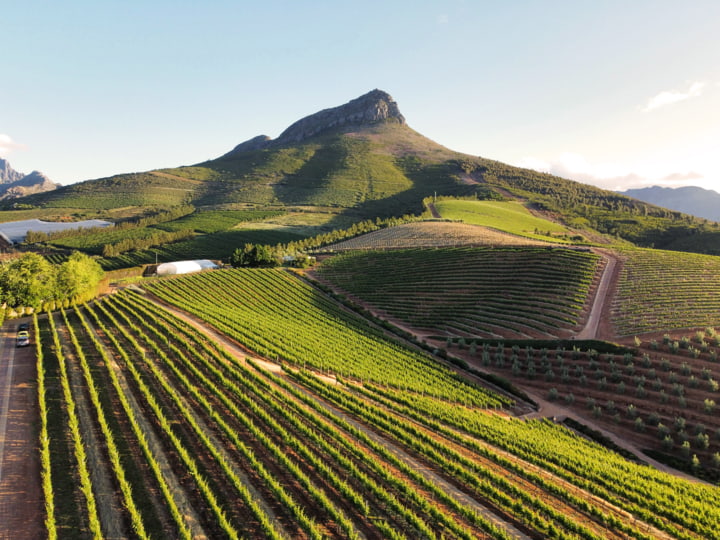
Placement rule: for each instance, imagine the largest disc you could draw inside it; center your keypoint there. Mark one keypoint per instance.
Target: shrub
(667, 442)
(709, 405)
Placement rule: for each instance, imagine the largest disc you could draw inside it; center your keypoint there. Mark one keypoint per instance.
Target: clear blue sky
(615, 93)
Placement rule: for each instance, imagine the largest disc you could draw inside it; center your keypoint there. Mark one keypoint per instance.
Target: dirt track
(20, 494)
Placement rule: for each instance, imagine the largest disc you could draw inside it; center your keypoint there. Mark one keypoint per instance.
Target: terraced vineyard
(660, 291)
(432, 234)
(472, 291)
(204, 442)
(281, 317)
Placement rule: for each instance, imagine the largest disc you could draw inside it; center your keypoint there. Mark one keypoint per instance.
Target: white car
(23, 339)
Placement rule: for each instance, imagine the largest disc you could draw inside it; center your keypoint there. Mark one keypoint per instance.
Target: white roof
(184, 267)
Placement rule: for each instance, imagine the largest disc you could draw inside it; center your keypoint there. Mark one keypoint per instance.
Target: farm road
(591, 329)
(20, 493)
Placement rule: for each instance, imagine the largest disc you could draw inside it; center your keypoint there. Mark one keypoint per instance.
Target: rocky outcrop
(25, 184)
(372, 108)
(256, 143)
(8, 175)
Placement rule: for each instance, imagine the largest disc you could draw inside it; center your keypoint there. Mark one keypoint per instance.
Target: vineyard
(429, 234)
(661, 291)
(663, 398)
(200, 440)
(488, 292)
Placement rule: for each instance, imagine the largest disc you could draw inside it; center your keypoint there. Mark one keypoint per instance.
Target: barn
(184, 267)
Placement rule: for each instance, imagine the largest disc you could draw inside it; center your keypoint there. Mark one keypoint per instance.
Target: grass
(508, 216)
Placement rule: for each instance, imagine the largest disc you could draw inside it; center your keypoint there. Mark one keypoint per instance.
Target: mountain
(372, 108)
(14, 184)
(704, 203)
(362, 160)
(8, 175)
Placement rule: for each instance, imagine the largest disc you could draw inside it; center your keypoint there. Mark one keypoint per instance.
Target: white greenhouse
(185, 267)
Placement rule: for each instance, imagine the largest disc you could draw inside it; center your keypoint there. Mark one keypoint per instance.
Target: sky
(614, 93)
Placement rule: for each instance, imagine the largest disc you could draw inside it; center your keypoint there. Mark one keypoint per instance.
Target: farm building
(184, 267)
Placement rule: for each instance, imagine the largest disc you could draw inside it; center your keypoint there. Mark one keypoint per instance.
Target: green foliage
(33, 281)
(78, 275)
(27, 281)
(277, 314)
(254, 256)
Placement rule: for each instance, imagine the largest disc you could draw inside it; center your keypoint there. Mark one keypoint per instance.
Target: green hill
(362, 161)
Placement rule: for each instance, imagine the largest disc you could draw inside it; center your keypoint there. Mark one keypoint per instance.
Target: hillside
(412, 386)
(362, 160)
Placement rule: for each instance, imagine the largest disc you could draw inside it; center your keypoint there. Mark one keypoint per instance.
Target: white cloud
(668, 97)
(610, 176)
(7, 145)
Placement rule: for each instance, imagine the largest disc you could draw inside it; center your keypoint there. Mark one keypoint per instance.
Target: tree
(78, 275)
(253, 255)
(27, 281)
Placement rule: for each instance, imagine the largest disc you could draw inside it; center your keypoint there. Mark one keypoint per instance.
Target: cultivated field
(661, 291)
(509, 216)
(200, 440)
(430, 234)
(503, 291)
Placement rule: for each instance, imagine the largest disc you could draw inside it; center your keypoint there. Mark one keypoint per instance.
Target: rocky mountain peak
(8, 175)
(372, 108)
(14, 184)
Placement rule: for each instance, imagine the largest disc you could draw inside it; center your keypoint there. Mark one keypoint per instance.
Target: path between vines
(546, 409)
(240, 352)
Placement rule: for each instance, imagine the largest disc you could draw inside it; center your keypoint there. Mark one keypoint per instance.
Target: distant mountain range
(704, 203)
(14, 184)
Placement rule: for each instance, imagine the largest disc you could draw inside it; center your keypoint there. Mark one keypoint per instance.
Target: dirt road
(20, 494)
(603, 291)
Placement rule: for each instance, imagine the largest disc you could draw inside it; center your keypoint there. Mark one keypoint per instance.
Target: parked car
(24, 327)
(23, 338)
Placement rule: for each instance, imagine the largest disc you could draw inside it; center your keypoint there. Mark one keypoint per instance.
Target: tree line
(255, 255)
(32, 281)
(156, 239)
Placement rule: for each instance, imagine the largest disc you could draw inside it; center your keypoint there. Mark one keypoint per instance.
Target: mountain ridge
(693, 200)
(374, 107)
(14, 184)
